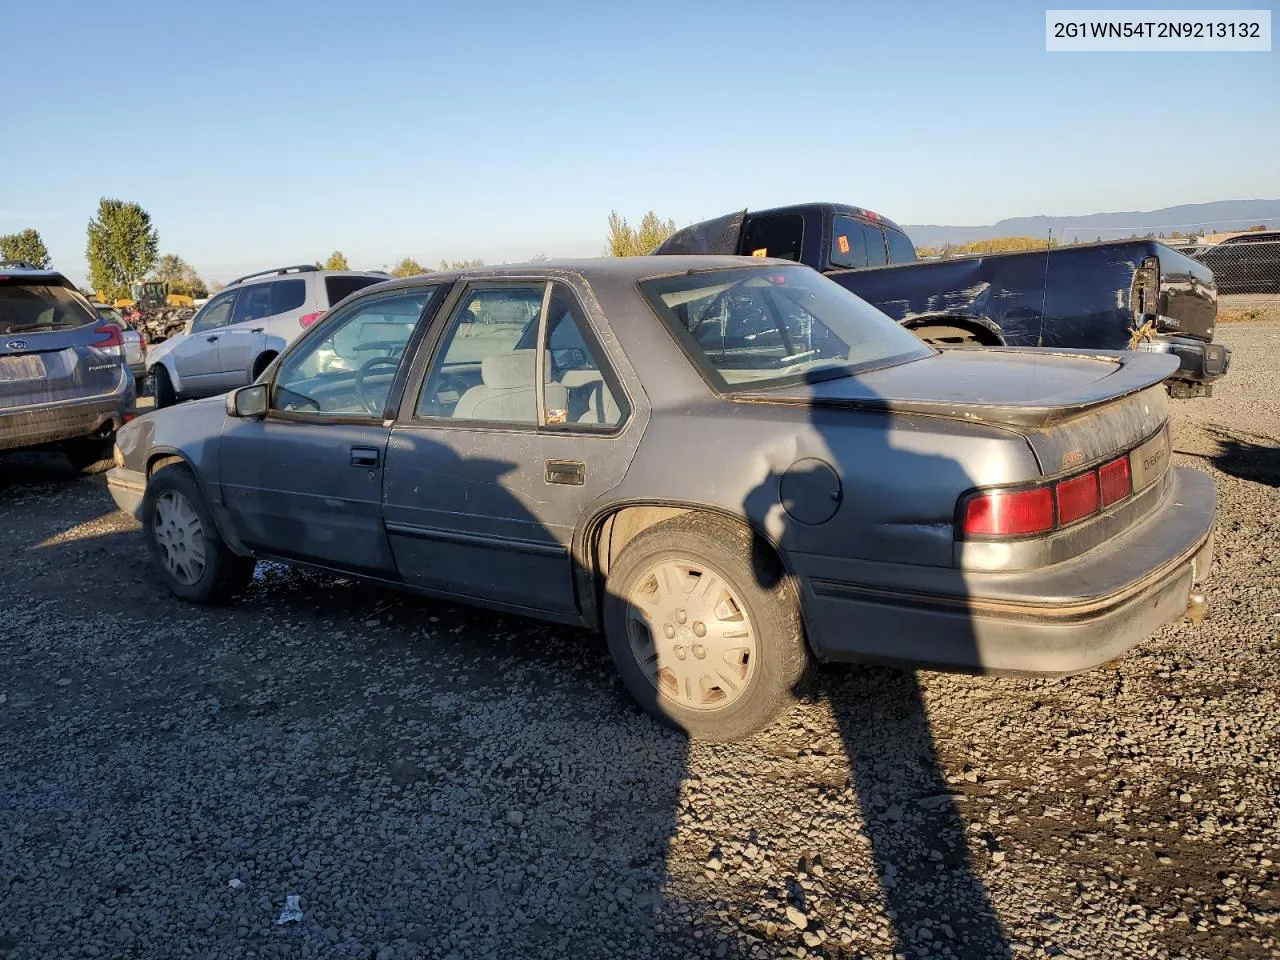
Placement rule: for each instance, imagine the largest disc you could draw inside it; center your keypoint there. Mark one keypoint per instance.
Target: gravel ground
(433, 781)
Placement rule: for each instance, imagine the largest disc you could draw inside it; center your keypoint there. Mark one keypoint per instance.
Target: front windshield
(768, 325)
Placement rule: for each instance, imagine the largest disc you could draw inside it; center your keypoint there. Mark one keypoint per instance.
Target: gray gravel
(433, 781)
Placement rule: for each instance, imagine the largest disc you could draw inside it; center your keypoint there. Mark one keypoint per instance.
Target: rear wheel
(165, 394)
(939, 335)
(705, 628)
(90, 454)
(193, 560)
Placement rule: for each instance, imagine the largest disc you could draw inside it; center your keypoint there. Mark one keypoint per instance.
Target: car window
(340, 287)
(577, 387)
(346, 367)
(856, 244)
(774, 236)
(38, 306)
(482, 371)
(901, 249)
(288, 295)
(216, 313)
(768, 326)
(254, 303)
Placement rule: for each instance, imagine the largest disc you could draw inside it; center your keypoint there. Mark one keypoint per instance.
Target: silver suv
(244, 327)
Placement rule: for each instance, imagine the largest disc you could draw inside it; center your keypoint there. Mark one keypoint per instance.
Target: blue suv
(64, 383)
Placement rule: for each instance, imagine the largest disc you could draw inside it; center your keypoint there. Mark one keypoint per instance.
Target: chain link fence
(1246, 267)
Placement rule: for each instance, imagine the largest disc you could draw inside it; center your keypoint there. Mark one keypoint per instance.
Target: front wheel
(705, 628)
(193, 560)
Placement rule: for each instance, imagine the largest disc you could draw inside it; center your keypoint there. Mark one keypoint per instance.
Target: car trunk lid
(1074, 407)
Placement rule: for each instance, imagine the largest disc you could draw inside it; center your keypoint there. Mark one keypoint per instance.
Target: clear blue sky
(265, 133)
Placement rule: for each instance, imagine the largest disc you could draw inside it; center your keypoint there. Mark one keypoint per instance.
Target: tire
(753, 602)
(90, 454)
(941, 335)
(165, 394)
(193, 561)
(140, 386)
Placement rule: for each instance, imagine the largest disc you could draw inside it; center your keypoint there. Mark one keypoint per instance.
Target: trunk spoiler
(1134, 372)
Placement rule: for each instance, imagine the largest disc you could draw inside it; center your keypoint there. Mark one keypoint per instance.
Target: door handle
(572, 473)
(257, 329)
(211, 339)
(364, 456)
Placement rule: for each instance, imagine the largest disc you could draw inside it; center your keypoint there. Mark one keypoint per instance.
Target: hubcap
(690, 633)
(180, 536)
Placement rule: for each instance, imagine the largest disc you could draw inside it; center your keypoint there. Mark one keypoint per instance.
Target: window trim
(395, 391)
(411, 400)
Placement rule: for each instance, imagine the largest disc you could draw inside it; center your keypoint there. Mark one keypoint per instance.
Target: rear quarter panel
(900, 476)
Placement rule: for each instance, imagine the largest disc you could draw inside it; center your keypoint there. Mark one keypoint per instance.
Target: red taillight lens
(1077, 498)
(1115, 480)
(109, 335)
(307, 319)
(1009, 514)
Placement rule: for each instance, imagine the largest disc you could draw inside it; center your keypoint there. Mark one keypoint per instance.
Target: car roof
(298, 272)
(590, 269)
(21, 270)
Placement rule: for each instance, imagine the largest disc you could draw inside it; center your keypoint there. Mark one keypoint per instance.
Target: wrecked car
(730, 466)
(1127, 294)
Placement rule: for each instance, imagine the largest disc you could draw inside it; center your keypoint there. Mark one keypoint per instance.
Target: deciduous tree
(337, 261)
(25, 245)
(628, 241)
(180, 275)
(408, 267)
(122, 246)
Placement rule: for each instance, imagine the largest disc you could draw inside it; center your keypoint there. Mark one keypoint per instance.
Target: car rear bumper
(64, 420)
(127, 488)
(1199, 364)
(1066, 618)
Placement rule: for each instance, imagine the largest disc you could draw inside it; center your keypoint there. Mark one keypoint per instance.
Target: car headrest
(505, 370)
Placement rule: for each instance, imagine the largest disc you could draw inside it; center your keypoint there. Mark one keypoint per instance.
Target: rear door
(258, 305)
(195, 357)
(53, 348)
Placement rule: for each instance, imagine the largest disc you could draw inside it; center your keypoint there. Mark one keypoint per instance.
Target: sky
(258, 134)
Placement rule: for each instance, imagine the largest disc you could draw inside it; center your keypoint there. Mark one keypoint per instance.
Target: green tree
(408, 267)
(628, 241)
(122, 246)
(337, 261)
(180, 275)
(25, 245)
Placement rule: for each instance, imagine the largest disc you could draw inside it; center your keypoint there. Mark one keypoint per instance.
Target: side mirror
(250, 401)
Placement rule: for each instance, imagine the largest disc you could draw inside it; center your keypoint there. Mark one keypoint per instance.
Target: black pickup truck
(1129, 294)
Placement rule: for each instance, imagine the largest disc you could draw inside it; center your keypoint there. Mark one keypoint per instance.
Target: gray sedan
(731, 466)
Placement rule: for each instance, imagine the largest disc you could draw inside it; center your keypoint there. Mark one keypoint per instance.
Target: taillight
(109, 335)
(1009, 513)
(1077, 498)
(1016, 513)
(1115, 480)
(307, 319)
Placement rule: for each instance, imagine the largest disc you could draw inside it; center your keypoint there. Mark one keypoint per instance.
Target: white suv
(243, 327)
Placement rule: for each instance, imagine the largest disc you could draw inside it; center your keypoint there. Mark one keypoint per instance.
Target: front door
(305, 482)
(498, 454)
(195, 356)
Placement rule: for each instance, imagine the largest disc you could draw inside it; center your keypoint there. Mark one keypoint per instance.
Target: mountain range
(1219, 216)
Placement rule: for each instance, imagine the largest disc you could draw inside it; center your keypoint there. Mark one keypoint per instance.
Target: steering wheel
(373, 405)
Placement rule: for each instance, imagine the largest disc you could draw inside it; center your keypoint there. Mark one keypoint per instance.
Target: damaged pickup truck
(1127, 294)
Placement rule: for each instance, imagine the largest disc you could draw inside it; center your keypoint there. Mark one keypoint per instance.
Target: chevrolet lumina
(731, 466)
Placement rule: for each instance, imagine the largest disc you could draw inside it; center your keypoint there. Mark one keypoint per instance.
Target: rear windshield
(34, 307)
(768, 326)
(339, 288)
